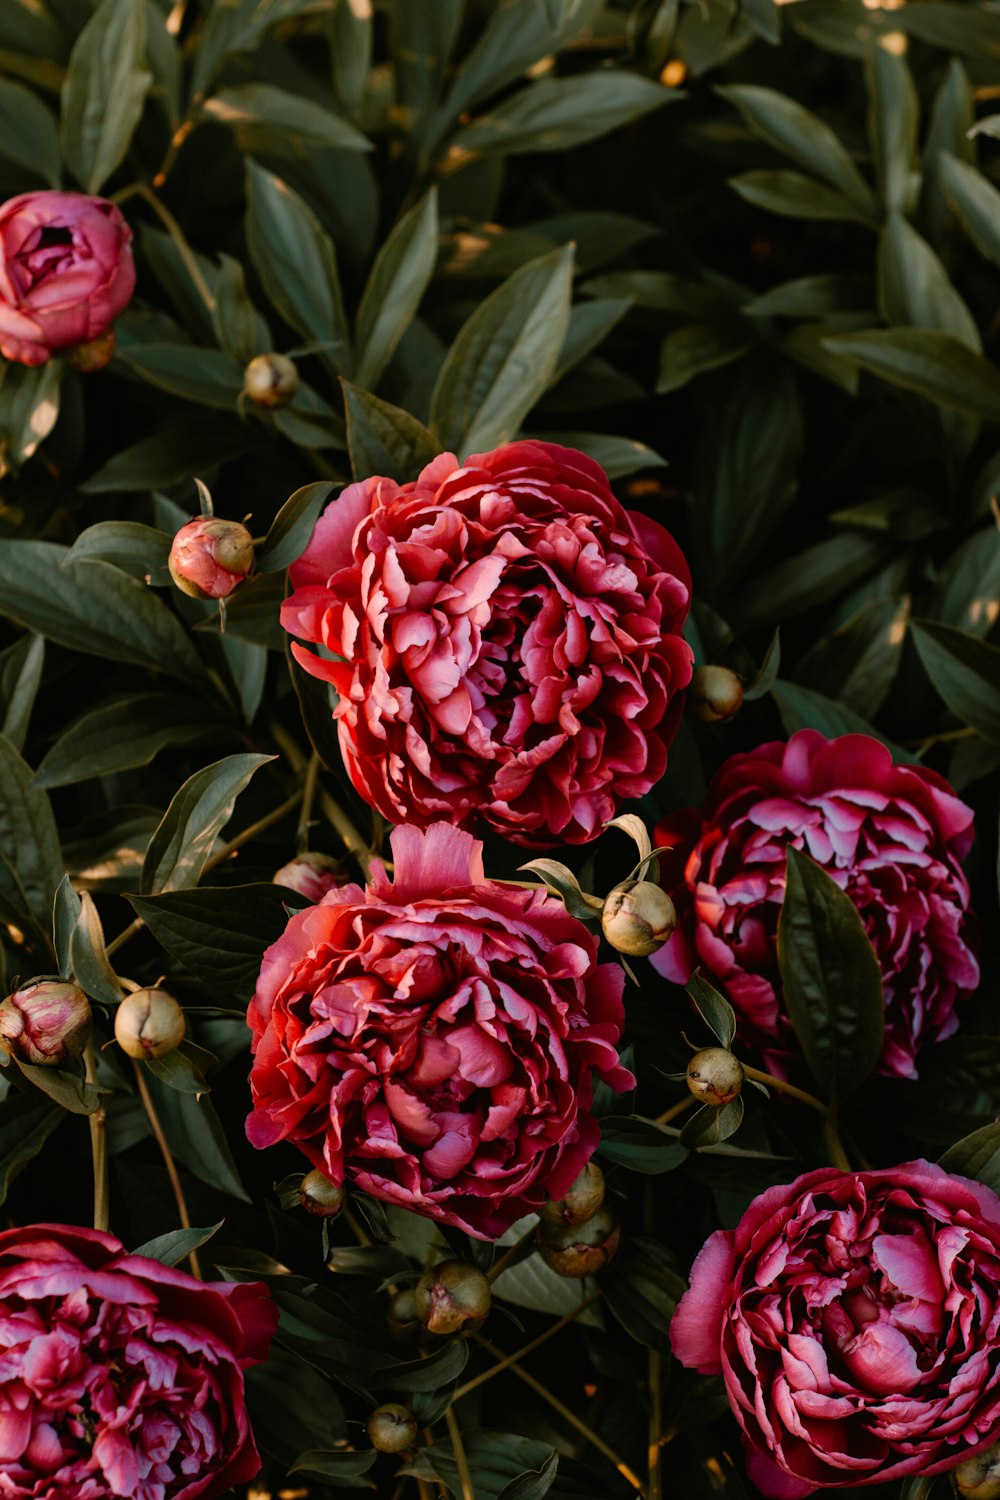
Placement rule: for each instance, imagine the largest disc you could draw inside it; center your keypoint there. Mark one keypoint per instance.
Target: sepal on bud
(638, 918)
(149, 1024)
(46, 1022)
(94, 355)
(453, 1297)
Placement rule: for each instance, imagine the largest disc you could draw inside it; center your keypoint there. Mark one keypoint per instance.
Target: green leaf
(238, 26)
(384, 439)
(252, 613)
(209, 376)
(930, 364)
(124, 734)
(186, 444)
(830, 977)
(952, 28)
(814, 297)
(714, 1009)
(195, 1136)
(561, 880)
(958, 1090)
(91, 966)
(504, 357)
(642, 1290)
(297, 264)
(795, 196)
(26, 1122)
(710, 1126)
(533, 1484)
(914, 288)
(976, 1156)
(105, 91)
(181, 1069)
(556, 114)
(764, 682)
(218, 932)
(495, 1459)
(429, 1373)
(976, 202)
(398, 280)
(241, 330)
(29, 408)
(65, 914)
(693, 350)
(812, 576)
(965, 671)
(534, 1285)
(338, 1466)
(90, 606)
(947, 133)
(20, 677)
(515, 37)
(967, 589)
(69, 1090)
(170, 1249)
(293, 526)
(276, 109)
(183, 842)
(31, 867)
(802, 708)
(28, 132)
(617, 456)
(640, 1144)
(801, 136)
(893, 121)
(140, 551)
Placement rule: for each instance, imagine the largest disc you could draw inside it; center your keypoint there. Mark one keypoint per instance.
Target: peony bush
(499, 749)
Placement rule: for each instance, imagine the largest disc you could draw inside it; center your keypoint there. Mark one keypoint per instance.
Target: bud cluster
(579, 1234)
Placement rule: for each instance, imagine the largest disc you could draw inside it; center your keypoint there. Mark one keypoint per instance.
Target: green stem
(168, 1159)
(462, 1463)
(655, 1424)
(522, 1353)
(308, 797)
(98, 1149)
(176, 233)
(781, 1087)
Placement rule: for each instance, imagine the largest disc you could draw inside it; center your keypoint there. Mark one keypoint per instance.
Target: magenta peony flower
(66, 272)
(209, 557)
(891, 836)
(121, 1377)
(855, 1318)
(509, 640)
(311, 874)
(432, 1039)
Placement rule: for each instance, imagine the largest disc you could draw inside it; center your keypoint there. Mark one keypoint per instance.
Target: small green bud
(392, 1428)
(149, 1024)
(714, 1076)
(638, 918)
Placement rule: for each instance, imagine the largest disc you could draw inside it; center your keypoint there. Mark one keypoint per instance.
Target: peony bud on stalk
(714, 1076)
(149, 1024)
(581, 1249)
(453, 1298)
(638, 918)
(580, 1201)
(270, 380)
(209, 557)
(392, 1428)
(311, 874)
(45, 1022)
(715, 694)
(321, 1197)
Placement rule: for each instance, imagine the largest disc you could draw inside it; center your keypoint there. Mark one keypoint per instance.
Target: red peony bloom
(855, 1318)
(120, 1376)
(509, 642)
(891, 836)
(432, 1039)
(66, 272)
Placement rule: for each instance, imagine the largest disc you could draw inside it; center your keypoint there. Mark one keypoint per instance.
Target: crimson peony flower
(121, 1377)
(509, 642)
(432, 1039)
(66, 272)
(855, 1318)
(891, 836)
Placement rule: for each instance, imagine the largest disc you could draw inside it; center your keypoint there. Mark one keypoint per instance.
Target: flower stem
(570, 1417)
(308, 798)
(168, 1160)
(781, 1087)
(676, 1109)
(655, 1423)
(143, 190)
(458, 1447)
(335, 814)
(98, 1149)
(834, 1145)
(519, 1354)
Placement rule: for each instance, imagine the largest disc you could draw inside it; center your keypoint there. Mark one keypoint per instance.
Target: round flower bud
(978, 1478)
(401, 1315)
(88, 358)
(311, 874)
(454, 1297)
(210, 557)
(581, 1249)
(580, 1202)
(45, 1022)
(715, 694)
(270, 380)
(392, 1428)
(319, 1196)
(638, 918)
(149, 1024)
(714, 1076)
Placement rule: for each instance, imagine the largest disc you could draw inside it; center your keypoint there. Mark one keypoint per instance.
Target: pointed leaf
(931, 364)
(170, 1249)
(384, 439)
(104, 92)
(966, 672)
(293, 526)
(183, 842)
(398, 280)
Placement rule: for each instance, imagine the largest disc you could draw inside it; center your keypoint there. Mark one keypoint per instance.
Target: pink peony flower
(311, 874)
(66, 272)
(209, 557)
(121, 1377)
(509, 642)
(432, 1039)
(45, 1022)
(892, 836)
(855, 1318)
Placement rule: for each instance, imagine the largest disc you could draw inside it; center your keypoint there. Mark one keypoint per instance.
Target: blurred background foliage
(745, 254)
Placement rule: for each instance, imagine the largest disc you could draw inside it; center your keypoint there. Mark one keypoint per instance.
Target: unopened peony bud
(401, 1315)
(319, 1196)
(638, 918)
(270, 380)
(714, 1076)
(45, 1022)
(581, 1200)
(149, 1024)
(581, 1249)
(453, 1298)
(715, 694)
(87, 359)
(209, 557)
(392, 1428)
(312, 875)
(978, 1478)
